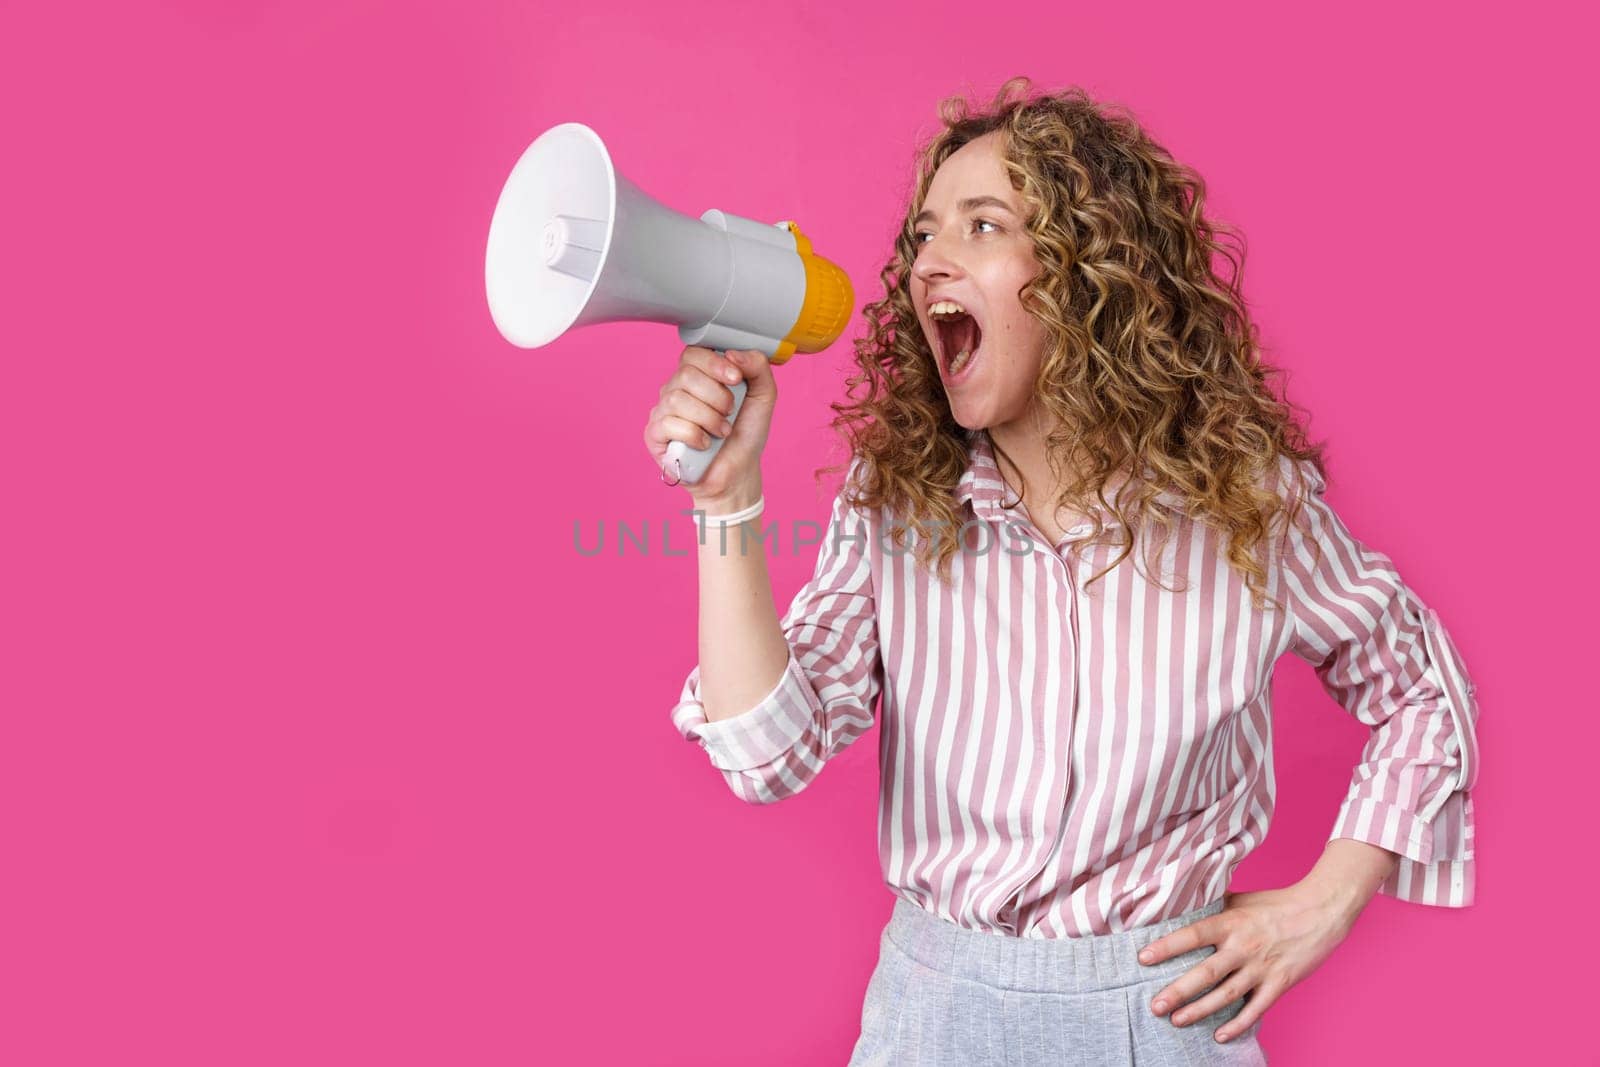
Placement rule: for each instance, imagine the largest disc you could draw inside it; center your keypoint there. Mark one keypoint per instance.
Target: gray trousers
(948, 996)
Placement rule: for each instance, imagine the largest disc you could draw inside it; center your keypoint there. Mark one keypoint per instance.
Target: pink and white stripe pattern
(1059, 760)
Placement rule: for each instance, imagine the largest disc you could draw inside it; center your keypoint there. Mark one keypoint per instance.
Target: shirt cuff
(1445, 875)
(1386, 826)
(760, 735)
(1449, 879)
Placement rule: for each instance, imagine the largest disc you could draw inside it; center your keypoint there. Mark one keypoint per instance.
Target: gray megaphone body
(573, 242)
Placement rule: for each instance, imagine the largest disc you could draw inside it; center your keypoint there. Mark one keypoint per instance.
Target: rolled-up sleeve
(1387, 659)
(825, 697)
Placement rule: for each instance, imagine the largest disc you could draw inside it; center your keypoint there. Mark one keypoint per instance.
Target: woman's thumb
(757, 371)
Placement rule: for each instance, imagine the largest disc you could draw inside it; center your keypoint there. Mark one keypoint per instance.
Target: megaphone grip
(692, 462)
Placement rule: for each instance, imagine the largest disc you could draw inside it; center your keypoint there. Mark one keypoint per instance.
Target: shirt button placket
(1065, 554)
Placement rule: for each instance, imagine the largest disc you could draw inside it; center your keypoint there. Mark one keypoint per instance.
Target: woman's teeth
(960, 361)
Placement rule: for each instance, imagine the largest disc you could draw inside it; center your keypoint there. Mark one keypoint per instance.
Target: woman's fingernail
(1147, 955)
(1159, 1006)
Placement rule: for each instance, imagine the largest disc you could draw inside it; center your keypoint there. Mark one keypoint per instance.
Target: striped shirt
(1057, 760)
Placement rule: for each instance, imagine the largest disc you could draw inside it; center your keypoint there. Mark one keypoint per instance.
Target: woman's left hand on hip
(1266, 942)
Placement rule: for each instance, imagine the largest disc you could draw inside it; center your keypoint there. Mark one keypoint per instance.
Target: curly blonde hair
(1152, 363)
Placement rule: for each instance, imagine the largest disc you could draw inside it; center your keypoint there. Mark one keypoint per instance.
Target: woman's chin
(970, 414)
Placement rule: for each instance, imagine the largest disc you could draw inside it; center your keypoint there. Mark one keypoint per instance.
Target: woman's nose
(932, 262)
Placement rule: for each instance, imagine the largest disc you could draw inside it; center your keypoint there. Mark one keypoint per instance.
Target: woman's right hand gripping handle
(743, 652)
(695, 404)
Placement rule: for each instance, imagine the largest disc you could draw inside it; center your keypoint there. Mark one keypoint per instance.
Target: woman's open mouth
(959, 338)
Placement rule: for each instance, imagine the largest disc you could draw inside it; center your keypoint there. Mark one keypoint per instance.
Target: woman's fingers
(1203, 975)
(1232, 988)
(1261, 998)
(710, 414)
(665, 429)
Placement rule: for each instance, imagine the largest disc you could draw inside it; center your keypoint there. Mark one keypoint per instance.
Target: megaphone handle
(692, 462)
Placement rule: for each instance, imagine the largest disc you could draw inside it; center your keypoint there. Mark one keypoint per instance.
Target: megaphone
(573, 242)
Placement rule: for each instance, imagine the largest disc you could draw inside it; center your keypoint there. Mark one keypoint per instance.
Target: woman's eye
(917, 237)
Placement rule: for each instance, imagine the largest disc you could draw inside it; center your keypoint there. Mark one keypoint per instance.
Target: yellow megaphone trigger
(826, 309)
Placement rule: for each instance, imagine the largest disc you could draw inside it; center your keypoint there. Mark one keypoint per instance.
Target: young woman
(1076, 533)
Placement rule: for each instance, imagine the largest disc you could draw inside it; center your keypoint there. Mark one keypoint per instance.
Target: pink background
(323, 744)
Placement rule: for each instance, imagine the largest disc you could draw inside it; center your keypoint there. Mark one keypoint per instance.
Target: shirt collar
(982, 485)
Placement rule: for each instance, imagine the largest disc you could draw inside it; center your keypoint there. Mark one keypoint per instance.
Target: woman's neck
(1026, 464)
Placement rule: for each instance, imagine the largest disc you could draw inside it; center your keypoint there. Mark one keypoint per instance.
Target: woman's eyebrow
(971, 203)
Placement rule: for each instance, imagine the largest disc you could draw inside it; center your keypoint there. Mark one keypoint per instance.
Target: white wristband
(736, 517)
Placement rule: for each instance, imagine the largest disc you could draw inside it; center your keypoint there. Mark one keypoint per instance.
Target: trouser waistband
(1050, 965)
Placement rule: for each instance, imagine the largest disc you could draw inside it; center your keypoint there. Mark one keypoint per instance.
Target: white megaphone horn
(573, 242)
